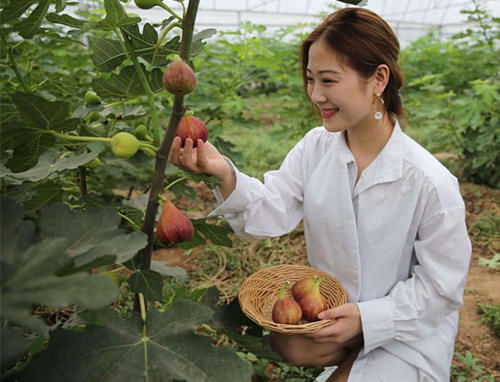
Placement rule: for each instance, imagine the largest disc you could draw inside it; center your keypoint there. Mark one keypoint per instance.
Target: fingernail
(321, 315)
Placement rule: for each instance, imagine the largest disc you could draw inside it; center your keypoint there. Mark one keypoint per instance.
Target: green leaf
(494, 262)
(116, 16)
(31, 25)
(164, 269)
(27, 143)
(146, 45)
(13, 346)
(16, 235)
(65, 20)
(60, 5)
(44, 193)
(48, 165)
(31, 280)
(156, 80)
(107, 54)
(164, 348)
(216, 234)
(124, 85)
(43, 114)
(204, 34)
(147, 282)
(90, 234)
(15, 9)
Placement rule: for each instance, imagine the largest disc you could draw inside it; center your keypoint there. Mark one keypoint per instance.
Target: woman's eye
(328, 81)
(309, 79)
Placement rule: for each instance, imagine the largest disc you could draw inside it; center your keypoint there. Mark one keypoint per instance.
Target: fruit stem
(145, 85)
(169, 10)
(282, 290)
(319, 281)
(162, 153)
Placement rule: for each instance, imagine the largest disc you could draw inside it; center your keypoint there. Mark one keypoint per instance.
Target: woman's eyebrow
(323, 71)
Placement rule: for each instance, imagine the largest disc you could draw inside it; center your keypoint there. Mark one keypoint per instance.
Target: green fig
(313, 303)
(285, 309)
(301, 287)
(124, 145)
(91, 98)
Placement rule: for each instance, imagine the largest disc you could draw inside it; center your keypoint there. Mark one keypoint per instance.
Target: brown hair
(365, 40)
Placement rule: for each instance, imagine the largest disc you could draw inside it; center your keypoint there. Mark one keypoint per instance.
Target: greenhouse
(250, 190)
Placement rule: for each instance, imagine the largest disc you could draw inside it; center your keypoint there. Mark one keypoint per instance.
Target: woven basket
(260, 291)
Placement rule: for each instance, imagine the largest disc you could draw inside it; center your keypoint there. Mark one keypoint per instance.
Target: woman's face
(343, 97)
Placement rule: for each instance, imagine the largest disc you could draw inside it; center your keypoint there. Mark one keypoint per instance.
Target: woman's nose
(316, 95)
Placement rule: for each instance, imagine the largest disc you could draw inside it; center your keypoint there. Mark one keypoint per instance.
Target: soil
(483, 284)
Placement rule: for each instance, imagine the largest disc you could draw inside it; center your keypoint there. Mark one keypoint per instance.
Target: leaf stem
(143, 307)
(162, 37)
(170, 185)
(77, 137)
(145, 85)
(14, 65)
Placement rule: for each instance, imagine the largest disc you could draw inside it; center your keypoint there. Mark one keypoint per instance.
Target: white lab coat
(396, 240)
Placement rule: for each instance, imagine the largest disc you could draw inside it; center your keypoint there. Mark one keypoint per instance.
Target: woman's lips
(328, 113)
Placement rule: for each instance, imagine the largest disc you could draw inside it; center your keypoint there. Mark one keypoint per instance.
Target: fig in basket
(312, 303)
(302, 287)
(285, 309)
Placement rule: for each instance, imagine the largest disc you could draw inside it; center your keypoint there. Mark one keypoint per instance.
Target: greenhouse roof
(409, 18)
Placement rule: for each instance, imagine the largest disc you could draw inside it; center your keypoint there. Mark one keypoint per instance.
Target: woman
(380, 213)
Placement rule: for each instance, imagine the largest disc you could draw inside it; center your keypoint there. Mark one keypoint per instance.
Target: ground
(227, 268)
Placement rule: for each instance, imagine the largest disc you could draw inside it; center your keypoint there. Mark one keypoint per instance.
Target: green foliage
(145, 344)
(490, 263)
(491, 317)
(453, 94)
(469, 370)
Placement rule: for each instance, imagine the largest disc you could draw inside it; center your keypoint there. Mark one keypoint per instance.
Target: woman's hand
(204, 159)
(346, 329)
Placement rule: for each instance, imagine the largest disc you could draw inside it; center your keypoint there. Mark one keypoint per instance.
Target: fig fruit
(178, 77)
(285, 309)
(93, 163)
(124, 145)
(301, 287)
(141, 132)
(91, 98)
(173, 227)
(191, 127)
(147, 4)
(312, 303)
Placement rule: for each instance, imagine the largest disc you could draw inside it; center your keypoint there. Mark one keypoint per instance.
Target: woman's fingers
(175, 152)
(187, 154)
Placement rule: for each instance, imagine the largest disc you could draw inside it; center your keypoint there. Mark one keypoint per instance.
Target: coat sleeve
(273, 208)
(415, 307)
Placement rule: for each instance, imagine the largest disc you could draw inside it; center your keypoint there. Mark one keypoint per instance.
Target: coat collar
(386, 167)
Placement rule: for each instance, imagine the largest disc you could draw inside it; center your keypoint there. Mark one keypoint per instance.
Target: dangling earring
(378, 113)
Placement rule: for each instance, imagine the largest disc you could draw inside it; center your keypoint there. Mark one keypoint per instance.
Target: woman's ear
(381, 77)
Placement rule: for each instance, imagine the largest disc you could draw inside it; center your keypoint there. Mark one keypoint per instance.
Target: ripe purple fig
(173, 226)
(312, 303)
(285, 309)
(191, 127)
(178, 77)
(301, 287)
